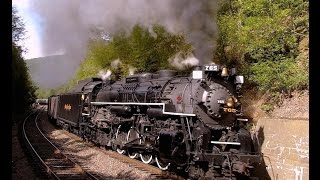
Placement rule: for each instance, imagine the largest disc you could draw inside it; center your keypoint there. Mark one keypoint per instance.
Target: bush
(23, 89)
(278, 76)
(141, 49)
(264, 40)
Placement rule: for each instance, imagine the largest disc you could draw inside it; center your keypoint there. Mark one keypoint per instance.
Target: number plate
(211, 68)
(229, 110)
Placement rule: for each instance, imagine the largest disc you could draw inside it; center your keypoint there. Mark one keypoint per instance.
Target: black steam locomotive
(192, 123)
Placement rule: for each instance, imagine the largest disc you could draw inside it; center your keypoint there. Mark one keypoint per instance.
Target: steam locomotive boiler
(193, 122)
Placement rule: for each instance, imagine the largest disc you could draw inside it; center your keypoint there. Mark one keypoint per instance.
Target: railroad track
(155, 172)
(51, 160)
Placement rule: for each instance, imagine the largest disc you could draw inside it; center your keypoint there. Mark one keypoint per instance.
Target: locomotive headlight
(230, 102)
(197, 74)
(239, 80)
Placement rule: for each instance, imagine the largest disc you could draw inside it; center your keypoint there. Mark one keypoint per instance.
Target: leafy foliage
(263, 38)
(278, 76)
(142, 49)
(18, 29)
(266, 40)
(44, 93)
(23, 89)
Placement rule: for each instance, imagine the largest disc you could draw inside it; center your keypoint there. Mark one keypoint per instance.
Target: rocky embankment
(296, 107)
(283, 137)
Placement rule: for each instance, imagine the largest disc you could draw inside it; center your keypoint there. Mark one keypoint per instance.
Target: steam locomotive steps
(50, 160)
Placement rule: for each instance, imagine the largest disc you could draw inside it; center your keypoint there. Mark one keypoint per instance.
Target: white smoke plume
(181, 63)
(105, 74)
(67, 23)
(116, 63)
(132, 70)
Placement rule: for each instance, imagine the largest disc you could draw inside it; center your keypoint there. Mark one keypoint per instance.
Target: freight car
(40, 102)
(194, 122)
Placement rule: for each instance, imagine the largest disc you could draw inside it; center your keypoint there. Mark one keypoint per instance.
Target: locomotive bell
(224, 72)
(230, 102)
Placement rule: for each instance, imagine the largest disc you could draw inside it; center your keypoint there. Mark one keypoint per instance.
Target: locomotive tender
(194, 123)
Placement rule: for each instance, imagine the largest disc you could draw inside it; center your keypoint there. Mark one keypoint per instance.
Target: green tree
(144, 49)
(23, 90)
(263, 38)
(18, 29)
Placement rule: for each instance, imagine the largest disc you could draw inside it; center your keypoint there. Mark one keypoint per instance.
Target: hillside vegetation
(23, 89)
(266, 40)
(51, 71)
(142, 49)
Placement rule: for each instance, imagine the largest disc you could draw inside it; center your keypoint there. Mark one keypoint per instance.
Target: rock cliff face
(285, 145)
(283, 138)
(296, 107)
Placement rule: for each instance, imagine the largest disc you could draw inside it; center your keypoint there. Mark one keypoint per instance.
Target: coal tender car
(192, 123)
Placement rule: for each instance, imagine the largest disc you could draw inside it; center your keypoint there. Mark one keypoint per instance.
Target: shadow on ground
(260, 171)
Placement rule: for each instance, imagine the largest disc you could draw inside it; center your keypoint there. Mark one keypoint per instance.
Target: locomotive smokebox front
(216, 101)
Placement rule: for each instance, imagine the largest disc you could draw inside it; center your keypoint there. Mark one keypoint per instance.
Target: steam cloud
(132, 70)
(67, 24)
(116, 63)
(107, 74)
(179, 62)
(104, 74)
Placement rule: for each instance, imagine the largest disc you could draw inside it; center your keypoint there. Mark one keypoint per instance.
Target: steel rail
(48, 169)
